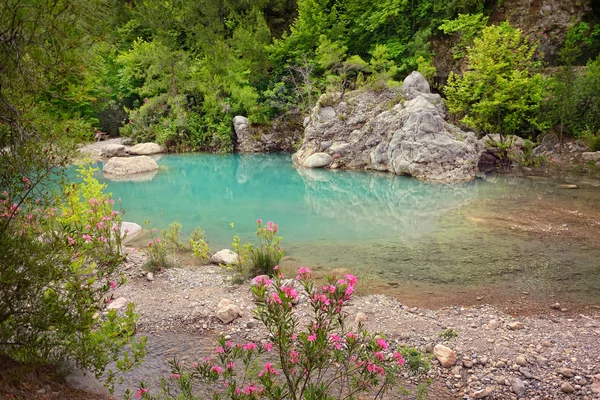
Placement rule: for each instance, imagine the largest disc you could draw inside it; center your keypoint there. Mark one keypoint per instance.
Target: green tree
(501, 90)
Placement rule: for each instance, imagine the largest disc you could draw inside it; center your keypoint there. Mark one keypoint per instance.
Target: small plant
(323, 360)
(156, 251)
(268, 254)
(171, 237)
(448, 334)
(415, 360)
(198, 245)
(591, 138)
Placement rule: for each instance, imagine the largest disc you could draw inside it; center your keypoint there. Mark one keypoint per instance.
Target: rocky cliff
(402, 131)
(278, 136)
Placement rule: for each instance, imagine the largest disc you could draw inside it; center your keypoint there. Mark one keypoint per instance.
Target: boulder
(402, 131)
(445, 355)
(129, 230)
(227, 311)
(122, 166)
(112, 150)
(146, 149)
(591, 156)
(224, 256)
(318, 160)
(84, 381)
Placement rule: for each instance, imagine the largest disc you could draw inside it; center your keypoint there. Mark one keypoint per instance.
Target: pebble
(518, 386)
(513, 326)
(150, 276)
(567, 388)
(566, 372)
(521, 360)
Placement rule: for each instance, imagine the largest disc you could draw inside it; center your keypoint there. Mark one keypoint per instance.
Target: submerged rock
(400, 131)
(146, 148)
(121, 166)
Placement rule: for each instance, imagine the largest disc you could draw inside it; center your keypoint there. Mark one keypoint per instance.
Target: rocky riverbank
(489, 354)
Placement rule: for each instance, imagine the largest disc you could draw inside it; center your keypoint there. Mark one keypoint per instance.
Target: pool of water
(390, 227)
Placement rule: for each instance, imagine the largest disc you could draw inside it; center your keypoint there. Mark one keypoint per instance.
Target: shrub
(448, 334)
(501, 90)
(268, 254)
(325, 360)
(592, 139)
(198, 245)
(156, 251)
(59, 262)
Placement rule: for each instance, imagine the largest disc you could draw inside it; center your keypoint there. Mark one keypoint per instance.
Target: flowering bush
(324, 360)
(156, 250)
(59, 259)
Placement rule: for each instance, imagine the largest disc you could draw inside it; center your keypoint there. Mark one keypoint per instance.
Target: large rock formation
(121, 166)
(401, 131)
(279, 136)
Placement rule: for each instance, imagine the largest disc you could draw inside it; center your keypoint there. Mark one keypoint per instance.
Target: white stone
(591, 156)
(318, 160)
(121, 166)
(112, 150)
(146, 148)
(117, 303)
(224, 256)
(129, 230)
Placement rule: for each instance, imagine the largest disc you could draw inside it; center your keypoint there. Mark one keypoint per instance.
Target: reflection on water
(394, 227)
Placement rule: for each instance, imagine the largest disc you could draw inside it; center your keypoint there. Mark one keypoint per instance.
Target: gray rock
(146, 149)
(150, 276)
(517, 386)
(416, 81)
(282, 134)
(121, 166)
(521, 360)
(113, 150)
(224, 256)
(318, 160)
(591, 156)
(408, 138)
(493, 324)
(84, 381)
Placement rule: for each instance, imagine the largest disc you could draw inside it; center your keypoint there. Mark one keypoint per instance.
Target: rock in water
(121, 166)
(146, 148)
(445, 355)
(318, 160)
(401, 131)
(224, 256)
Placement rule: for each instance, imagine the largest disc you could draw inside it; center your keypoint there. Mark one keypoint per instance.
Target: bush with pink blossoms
(324, 359)
(59, 258)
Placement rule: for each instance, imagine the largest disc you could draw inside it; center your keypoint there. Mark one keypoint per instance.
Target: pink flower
(269, 346)
(382, 344)
(275, 298)
(230, 365)
(87, 238)
(216, 369)
(398, 357)
(175, 376)
(268, 369)
(220, 350)
(276, 268)
(351, 279)
(249, 346)
(289, 292)
(294, 356)
(70, 240)
(141, 392)
(113, 285)
(259, 221)
(312, 337)
(351, 335)
(379, 355)
(250, 389)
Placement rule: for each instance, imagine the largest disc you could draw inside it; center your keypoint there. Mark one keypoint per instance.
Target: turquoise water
(212, 191)
(391, 227)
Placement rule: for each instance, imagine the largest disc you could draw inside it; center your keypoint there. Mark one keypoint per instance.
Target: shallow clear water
(391, 227)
